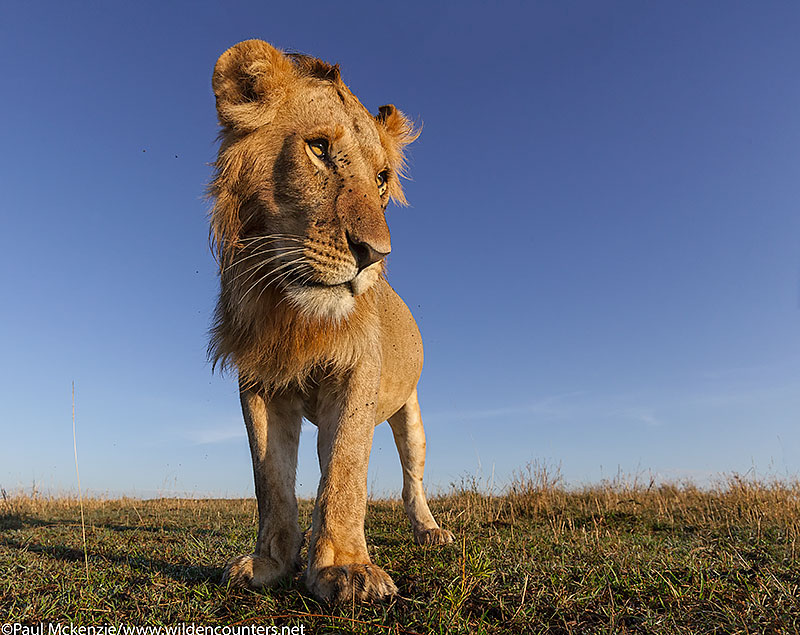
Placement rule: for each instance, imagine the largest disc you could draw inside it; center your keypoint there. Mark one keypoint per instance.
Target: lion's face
(325, 209)
(305, 174)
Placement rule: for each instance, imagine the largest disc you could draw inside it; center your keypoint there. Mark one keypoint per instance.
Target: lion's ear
(400, 129)
(396, 133)
(246, 78)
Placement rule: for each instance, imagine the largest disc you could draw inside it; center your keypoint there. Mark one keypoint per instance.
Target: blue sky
(602, 247)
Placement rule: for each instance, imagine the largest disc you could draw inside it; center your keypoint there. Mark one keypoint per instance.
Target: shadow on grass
(21, 521)
(186, 573)
(12, 521)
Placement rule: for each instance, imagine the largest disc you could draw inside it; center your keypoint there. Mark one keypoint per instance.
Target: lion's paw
(343, 583)
(252, 571)
(435, 536)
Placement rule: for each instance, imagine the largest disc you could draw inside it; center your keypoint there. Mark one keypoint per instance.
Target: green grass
(615, 558)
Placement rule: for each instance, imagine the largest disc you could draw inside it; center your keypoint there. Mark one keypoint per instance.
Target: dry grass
(622, 557)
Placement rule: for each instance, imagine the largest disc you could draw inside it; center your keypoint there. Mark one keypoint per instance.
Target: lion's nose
(364, 253)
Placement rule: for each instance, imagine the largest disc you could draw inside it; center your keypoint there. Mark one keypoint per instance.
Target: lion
(305, 315)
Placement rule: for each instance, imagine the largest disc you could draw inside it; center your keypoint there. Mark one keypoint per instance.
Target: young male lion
(303, 179)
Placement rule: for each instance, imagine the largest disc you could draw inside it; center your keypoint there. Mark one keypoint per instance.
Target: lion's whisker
(275, 282)
(267, 275)
(282, 250)
(255, 268)
(293, 265)
(287, 274)
(272, 237)
(260, 252)
(282, 280)
(305, 277)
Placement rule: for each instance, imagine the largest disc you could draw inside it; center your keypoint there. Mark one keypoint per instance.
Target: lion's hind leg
(273, 428)
(409, 436)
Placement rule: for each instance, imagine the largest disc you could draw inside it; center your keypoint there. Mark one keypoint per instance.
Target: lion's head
(302, 182)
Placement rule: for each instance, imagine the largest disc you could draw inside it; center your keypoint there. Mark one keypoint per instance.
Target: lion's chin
(331, 302)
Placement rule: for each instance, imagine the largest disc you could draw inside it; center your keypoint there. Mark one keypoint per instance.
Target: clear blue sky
(602, 248)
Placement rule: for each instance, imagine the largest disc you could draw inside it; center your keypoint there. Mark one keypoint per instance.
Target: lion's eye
(380, 179)
(319, 147)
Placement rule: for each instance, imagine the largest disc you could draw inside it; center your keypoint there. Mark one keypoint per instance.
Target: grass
(621, 557)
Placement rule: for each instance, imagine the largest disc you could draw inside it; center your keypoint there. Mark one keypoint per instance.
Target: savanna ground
(621, 557)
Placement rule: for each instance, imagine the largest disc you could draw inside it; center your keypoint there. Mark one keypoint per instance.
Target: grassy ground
(617, 558)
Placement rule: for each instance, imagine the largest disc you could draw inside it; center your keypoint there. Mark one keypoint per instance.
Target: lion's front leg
(339, 566)
(273, 428)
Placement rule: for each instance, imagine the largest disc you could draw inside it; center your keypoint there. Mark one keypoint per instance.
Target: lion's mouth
(355, 286)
